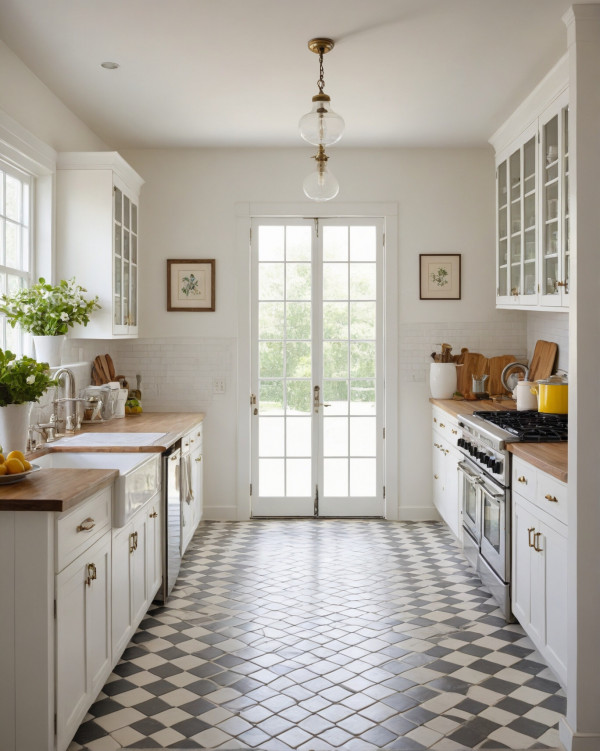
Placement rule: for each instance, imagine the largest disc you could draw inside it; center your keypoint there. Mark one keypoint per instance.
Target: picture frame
(439, 276)
(191, 285)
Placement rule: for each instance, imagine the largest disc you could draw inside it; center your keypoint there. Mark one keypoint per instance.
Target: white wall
(445, 200)
(31, 103)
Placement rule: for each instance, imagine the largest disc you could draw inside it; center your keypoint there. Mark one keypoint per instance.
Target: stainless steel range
(486, 472)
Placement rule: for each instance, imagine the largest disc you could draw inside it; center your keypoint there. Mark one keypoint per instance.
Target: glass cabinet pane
(118, 206)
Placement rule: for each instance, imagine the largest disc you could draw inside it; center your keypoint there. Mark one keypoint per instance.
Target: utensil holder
(442, 380)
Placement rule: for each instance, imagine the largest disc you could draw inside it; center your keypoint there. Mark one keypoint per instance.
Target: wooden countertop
(549, 457)
(173, 424)
(61, 489)
(54, 489)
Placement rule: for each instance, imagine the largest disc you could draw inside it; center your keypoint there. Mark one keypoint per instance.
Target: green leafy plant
(23, 380)
(47, 310)
(439, 277)
(190, 285)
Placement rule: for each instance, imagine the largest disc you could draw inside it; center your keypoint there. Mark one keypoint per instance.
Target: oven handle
(472, 478)
(497, 496)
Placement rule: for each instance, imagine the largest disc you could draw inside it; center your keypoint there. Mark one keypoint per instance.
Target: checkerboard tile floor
(326, 634)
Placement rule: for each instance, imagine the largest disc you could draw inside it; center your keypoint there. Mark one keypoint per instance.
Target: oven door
(495, 528)
(471, 503)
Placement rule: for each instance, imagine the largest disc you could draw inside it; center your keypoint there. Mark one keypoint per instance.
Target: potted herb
(47, 312)
(22, 381)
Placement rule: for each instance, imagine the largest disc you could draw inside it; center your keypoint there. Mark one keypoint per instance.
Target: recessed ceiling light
(109, 66)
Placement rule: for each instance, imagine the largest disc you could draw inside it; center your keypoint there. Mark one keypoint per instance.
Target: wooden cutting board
(542, 362)
(495, 366)
(473, 364)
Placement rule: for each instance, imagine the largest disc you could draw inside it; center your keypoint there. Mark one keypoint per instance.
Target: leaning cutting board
(542, 362)
(495, 367)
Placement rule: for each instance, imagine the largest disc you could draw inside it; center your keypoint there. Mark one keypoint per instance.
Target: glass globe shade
(320, 185)
(321, 126)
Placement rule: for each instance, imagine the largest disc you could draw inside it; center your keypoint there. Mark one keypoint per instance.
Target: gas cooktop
(529, 425)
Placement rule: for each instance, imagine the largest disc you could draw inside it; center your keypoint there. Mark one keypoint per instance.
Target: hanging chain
(321, 81)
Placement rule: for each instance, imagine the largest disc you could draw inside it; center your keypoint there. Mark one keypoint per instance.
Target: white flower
(30, 379)
(64, 316)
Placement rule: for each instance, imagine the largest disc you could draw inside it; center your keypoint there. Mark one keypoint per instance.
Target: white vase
(14, 422)
(442, 380)
(49, 349)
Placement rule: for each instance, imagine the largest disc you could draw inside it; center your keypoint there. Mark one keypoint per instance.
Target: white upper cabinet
(532, 211)
(97, 237)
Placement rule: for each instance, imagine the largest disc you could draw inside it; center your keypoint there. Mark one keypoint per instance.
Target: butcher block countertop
(61, 489)
(549, 457)
(54, 489)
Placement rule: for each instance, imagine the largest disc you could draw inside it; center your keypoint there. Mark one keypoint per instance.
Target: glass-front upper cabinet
(554, 205)
(516, 265)
(125, 260)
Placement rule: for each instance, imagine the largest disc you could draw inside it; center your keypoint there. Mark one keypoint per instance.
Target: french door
(317, 367)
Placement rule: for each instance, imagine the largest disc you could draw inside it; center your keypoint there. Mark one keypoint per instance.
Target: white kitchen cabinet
(539, 565)
(97, 199)
(135, 578)
(191, 484)
(532, 211)
(83, 639)
(445, 458)
(154, 547)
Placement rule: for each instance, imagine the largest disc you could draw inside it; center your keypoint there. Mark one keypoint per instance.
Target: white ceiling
(239, 73)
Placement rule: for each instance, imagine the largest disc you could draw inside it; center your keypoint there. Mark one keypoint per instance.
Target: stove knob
(461, 443)
(488, 460)
(497, 468)
(471, 449)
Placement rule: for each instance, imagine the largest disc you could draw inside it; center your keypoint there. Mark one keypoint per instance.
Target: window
(15, 243)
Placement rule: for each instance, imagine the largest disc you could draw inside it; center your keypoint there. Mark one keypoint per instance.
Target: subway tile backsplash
(552, 327)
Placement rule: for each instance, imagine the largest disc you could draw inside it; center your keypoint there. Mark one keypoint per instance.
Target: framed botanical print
(191, 285)
(439, 276)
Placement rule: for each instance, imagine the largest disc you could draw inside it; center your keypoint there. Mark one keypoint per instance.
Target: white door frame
(245, 212)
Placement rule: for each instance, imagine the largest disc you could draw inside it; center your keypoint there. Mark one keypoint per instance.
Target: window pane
(363, 477)
(298, 243)
(298, 477)
(270, 320)
(271, 474)
(299, 397)
(298, 364)
(298, 436)
(13, 245)
(335, 243)
(362, 436)
(335, 281)
(270, 243)
(362, 320)
(270, 356)
(13, 198)
(362, 281)
(363, 243)
(336, 477)
(298, 281)
(270, 436)
(270, 399)
(362, 360)
(335, 393)
(270, 281)
(335, 320)
(362, 397)
(335, 436)
(335, 359)
(298, 320)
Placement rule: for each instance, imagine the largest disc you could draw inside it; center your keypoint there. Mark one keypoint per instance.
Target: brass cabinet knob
(442, 425)
(551, 498)
(436, 477)
(522, 479)
(154, 514)
(86, 525)
(199, 459)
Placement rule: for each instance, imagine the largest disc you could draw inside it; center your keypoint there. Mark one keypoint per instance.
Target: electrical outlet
(219, 385)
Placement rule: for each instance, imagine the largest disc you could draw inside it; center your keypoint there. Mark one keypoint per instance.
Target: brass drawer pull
(86, 525)
(522, 479)
(154, 514)
(133, 541)
(529, 531)
(436, 477)
(435, 419)
(536, 541)
(551, 498)
(442, 425)
(91, 571)
(454, 432)
(199, 459)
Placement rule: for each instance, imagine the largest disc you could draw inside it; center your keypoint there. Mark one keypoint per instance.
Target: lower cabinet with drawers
(445, 458)
(74, 589)
(539, 561)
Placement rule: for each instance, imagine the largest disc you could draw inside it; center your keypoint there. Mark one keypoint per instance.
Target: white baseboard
(573, 741)
(418, 514)
(219, 514)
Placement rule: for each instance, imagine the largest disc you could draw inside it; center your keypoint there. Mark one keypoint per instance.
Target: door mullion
(317, 361)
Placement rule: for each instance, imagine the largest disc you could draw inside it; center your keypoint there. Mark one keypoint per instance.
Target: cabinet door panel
(523, 521)
(121, 590)
(556, 597)
(154, 551)
(139, 602)
(98, 614)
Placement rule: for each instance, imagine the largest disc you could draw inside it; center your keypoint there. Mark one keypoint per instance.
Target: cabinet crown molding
(550, 87)
(101, 160)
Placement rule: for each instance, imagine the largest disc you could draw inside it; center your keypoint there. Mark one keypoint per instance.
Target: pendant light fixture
(321, 127)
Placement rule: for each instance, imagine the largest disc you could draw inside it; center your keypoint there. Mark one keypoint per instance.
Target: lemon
(14, 466)
(16, 455)
(26, 464)
(3, 469)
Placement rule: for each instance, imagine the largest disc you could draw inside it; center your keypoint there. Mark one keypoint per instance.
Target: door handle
(529, 531)
(536, 542)
(317, 400)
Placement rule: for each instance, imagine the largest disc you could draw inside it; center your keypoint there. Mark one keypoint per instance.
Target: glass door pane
(502, 228)
(550, 208)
